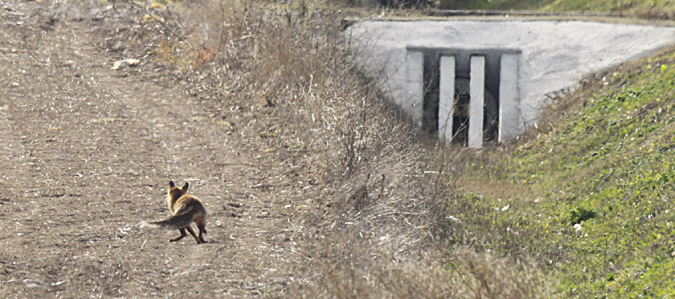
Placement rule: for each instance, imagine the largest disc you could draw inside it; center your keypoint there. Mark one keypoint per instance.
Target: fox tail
(178, 221)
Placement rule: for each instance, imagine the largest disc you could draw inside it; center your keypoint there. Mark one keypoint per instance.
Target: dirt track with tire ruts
(87, 153)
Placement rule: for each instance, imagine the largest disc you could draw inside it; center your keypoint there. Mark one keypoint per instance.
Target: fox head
(173, 193)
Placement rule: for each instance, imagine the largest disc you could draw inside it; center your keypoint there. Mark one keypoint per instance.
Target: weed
(610, 155)
(579, 214)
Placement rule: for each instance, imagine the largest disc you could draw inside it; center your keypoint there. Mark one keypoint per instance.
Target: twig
(161, 22)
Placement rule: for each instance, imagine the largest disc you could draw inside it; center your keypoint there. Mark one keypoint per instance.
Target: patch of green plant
(648, 9)
(493, 4)
(597, 208)
(579, 214)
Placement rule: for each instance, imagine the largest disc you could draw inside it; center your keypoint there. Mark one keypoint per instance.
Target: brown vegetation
(375, 226)
(315, 186)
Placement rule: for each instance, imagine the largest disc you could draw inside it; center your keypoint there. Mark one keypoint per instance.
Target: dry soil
(87, 153)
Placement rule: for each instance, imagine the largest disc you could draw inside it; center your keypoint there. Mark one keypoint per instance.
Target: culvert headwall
(473, 82)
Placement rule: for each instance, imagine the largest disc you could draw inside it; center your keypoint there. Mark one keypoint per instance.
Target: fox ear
(172, 184)
(185, 187)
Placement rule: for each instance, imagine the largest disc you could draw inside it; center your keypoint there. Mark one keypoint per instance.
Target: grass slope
(494, 4)
(592, 199)
(642, 8)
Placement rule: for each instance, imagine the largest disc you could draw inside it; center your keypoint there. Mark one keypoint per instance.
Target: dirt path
(87, 153)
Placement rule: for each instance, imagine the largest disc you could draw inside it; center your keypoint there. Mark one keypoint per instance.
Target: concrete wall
(509, 98)
(446, 97)
(477, 93)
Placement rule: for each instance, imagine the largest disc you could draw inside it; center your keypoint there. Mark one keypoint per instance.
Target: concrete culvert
(510, 67)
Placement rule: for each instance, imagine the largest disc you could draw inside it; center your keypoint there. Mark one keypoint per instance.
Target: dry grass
(374, 273)
(375, 211)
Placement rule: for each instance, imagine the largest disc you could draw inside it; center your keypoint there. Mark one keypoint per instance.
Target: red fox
(185, 208)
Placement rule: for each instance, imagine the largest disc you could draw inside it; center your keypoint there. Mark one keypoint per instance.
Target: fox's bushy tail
(178, 221)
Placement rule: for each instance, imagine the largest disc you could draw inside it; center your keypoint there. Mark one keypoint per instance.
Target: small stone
(129, 62)
(577, 227)
(453, 219)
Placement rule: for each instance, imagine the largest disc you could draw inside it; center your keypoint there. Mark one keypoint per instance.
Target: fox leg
(202, 229)
(192, 232)
(182, 235)
(201, 225)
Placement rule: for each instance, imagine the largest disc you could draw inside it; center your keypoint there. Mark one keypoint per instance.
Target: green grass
(658, 8)
(493, 4)
(643, 8)
(597, 200)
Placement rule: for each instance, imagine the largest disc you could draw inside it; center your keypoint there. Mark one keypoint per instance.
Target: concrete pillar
(477, 93)
(414, 70)
(446, 98)
(509, 111)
